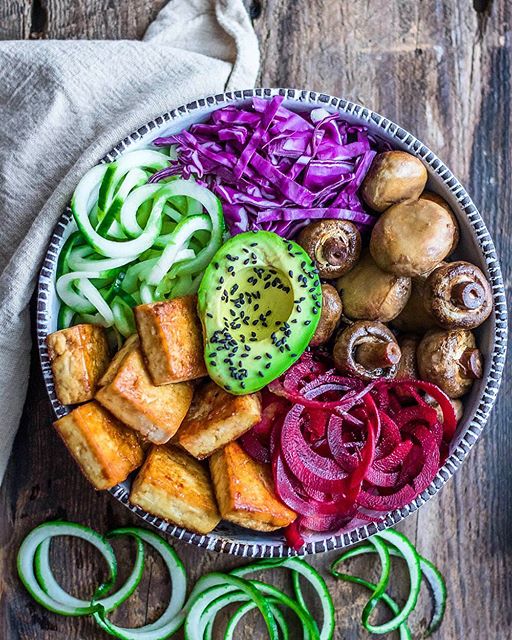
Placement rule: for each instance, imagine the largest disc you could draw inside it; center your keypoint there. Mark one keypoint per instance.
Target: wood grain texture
(442, 69)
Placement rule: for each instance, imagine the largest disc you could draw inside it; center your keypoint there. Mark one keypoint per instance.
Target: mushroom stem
(378, 355)
(467, 295)
(471, 364)
(334, 251)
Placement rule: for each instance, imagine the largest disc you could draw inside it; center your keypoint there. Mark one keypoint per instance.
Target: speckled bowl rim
(268, 547)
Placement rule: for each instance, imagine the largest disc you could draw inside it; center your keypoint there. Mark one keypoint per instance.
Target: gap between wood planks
(38, 20)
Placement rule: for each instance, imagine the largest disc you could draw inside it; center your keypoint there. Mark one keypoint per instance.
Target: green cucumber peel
(246, 608)
(173, 616)
(209, 588)
(26, 562)
(404, 629)
(302, 568)
(49, 584)
(430, 573)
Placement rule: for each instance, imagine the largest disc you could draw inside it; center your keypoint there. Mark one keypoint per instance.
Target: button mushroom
(334, 246)
(394, 176)
(434, 197)
(414, 317)
(407, 367)
(368, 293)
(450, 359)
(367, 350)
(411, 238)
(457, 295)
(329, 317)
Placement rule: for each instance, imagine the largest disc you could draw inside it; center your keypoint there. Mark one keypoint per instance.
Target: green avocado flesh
(259, 302)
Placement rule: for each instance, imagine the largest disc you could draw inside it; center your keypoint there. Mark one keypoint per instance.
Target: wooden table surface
(441, 68)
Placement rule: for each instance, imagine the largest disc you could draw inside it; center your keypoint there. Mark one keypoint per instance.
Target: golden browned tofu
(131, 343)
(78, 356)
(215, 418)
(177, 488)
(245, 491)
(172, 340)
(155, 412)
(105, 449)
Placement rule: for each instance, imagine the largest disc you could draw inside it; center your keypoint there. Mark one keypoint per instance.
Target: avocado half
(259, 302)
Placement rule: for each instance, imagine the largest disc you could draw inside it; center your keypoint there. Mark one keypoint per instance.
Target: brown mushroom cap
(367, 350)
(450, 359)
(334, 246)
(368, 293)
(407, 367)
(411, 238)
(394, 176)
(458, 295)
(415, 317)
(332, 309)
(434, 197)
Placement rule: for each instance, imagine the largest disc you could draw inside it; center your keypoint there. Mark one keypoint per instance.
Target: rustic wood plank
(15, 19)
(441, 69)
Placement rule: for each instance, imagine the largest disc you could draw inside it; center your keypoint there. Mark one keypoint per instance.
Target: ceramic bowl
(475, 245)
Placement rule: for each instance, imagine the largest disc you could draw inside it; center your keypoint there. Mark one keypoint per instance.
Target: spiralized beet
(345, 453)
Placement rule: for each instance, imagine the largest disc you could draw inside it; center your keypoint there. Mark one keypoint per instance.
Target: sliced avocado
(259, 301)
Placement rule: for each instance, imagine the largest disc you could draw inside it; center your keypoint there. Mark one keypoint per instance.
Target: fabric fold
(63, 106)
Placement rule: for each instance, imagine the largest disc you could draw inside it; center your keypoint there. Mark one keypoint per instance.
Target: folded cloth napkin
(65, 104)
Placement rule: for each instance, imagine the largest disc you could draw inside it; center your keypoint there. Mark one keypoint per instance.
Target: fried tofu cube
(172, 340)
(130, 345)
(175, 487)
(155, 412)
(245, 491)
(105, 449)
(78, 355)
(215, 418)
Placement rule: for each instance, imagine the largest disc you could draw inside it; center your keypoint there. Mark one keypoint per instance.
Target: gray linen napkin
(63, 105)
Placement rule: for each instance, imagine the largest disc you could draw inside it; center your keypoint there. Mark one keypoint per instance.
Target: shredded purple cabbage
(275, 169)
